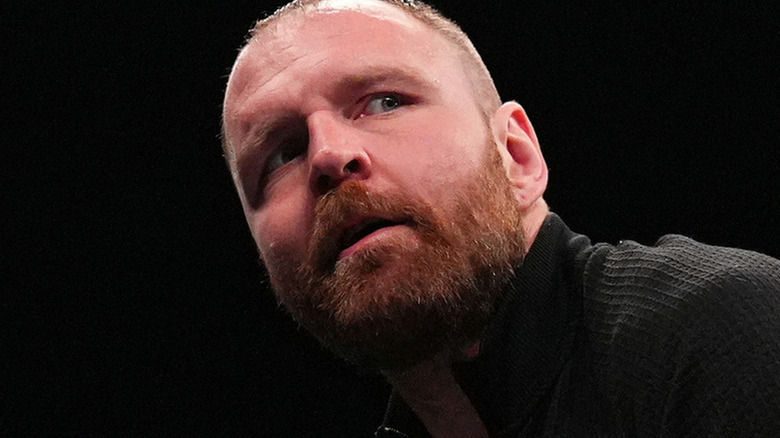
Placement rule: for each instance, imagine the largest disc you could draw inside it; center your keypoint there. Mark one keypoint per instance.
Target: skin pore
(386, 208)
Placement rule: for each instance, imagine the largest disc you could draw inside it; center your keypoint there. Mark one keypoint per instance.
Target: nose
(336, 153)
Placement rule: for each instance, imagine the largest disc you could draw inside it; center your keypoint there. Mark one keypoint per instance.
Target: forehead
(338, 32)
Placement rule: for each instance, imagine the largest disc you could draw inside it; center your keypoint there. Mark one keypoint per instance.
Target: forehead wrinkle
(245, 109)
(252, 78)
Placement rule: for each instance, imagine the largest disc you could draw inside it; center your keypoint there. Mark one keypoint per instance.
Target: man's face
(370, 182)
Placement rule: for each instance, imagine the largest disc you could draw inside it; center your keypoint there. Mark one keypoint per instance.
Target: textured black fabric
(679, 339)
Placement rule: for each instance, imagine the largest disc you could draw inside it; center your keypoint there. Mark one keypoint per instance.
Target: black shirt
(677, 339)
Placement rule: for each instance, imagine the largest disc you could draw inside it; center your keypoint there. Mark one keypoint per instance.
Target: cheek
(281, 230)
(443, 168)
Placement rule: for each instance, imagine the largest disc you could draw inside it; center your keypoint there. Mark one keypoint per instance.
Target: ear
(520, 152)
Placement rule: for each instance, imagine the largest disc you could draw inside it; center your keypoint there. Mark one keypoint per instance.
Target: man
(397, 206)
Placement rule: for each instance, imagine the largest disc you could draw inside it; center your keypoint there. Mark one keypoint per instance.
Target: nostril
(329, 174)
(352, 167)
(324, 183)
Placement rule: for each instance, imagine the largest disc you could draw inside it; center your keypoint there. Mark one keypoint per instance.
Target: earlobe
(520, 152)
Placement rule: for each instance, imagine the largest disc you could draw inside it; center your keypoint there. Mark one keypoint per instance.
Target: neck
(533, 218)
(437, 399)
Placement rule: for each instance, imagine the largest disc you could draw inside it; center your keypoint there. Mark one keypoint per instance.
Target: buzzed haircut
(478, 75)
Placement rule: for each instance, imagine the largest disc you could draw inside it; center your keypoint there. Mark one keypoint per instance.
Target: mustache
(353, 200)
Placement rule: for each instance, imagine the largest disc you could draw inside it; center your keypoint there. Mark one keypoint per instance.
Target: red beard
(395, 303)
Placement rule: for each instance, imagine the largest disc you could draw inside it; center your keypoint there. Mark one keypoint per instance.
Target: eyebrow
(369, 76)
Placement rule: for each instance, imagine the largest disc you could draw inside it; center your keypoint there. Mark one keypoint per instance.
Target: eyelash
(399, 99)
(296, 147)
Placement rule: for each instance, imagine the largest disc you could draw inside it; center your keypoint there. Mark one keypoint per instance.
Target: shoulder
(679, 277)
(682, 327)
(680, 262)
(677, 285)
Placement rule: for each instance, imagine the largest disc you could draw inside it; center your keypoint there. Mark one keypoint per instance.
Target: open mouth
(354, 233)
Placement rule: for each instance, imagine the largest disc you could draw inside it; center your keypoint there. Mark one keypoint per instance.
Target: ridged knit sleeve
(686, 338)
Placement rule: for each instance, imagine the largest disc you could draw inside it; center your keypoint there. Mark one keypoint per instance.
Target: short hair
(484, 90)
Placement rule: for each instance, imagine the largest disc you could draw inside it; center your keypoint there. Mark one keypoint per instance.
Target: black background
(132, 301)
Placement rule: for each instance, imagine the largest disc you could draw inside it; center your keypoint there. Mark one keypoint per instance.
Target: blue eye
(284, 154)
(381, 104)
